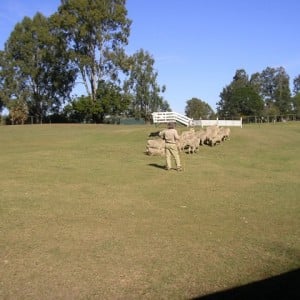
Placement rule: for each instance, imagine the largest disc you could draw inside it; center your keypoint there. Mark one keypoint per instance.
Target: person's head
(171, 125)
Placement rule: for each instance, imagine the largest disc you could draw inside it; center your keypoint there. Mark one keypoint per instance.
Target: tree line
(262, 94)
(84, 42)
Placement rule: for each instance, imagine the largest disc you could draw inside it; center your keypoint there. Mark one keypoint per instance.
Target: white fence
(165, 117)
(223, 123)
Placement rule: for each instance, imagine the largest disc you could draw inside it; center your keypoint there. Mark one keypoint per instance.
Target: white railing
(165, 117)
(169, 116)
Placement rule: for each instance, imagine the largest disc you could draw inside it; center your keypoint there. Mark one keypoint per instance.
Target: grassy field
(85, 214)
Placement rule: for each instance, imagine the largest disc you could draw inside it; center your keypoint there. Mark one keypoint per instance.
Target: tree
(36, 66)
(96, 32)
(111, 100)
(2, 96)
(198, 109)
(268, 85)
(296, 82)
(7, 83)
(142, 84)
(165, 106)
(275, 89)
(226, 107)
(18, 111)
(296, 105)
(247, 102)
(296, 98)
(283, 94)
(240, 97)
(255, 82)
(83, 109)
(240, 79)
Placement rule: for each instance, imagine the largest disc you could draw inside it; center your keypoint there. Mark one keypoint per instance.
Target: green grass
(85, 214)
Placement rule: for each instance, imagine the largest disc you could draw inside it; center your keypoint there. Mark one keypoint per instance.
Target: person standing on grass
(170, 135)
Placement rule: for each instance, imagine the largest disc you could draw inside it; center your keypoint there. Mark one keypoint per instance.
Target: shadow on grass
(157, 166)
(284, 286)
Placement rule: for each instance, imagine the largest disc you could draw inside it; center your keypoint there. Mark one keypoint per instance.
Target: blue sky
(197, 44)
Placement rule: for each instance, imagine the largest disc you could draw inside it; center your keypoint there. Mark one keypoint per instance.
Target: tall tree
(240, 79)
(268, 85)
(198, 109)
(36, 66)
(296, 82)
(165, 106)
(296, 98)
(247, 102)
(255, 82)
(296, 105)
(2, 95)
(283, 94)
(96, 31)
(275, 89)
(240, 97)
(8, 85)
(142, 84)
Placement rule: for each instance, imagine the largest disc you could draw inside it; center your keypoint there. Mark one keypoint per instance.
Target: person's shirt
(170, 135)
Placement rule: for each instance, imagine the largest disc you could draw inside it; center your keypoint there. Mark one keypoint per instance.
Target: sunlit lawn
(85, 214)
